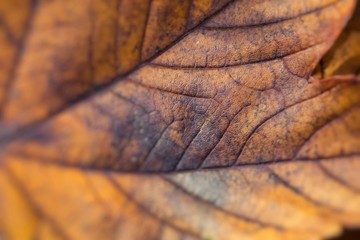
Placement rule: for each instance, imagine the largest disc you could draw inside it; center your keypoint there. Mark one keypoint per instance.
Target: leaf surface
(69, 49)
(218, 135)
(344, 56)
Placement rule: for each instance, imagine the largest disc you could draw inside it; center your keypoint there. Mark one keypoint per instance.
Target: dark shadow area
(349, 234)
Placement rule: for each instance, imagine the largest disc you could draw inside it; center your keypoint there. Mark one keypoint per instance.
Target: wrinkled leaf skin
(172, 119)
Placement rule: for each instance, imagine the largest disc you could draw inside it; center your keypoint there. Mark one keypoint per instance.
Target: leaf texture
(344, 56)
(70, 49)
(218, 135)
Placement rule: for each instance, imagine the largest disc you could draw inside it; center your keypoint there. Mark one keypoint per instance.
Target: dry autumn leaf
(172, 119)
(344, 56)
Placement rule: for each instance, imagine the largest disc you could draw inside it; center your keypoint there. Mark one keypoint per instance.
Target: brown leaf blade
(171, 116)
(344, 57)
(56, 53)
(232, 95)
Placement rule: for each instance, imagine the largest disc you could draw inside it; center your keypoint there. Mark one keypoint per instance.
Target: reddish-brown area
(191, 119)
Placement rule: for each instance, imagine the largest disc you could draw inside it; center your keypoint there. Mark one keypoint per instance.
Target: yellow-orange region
(220, 136)
(344, 57)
